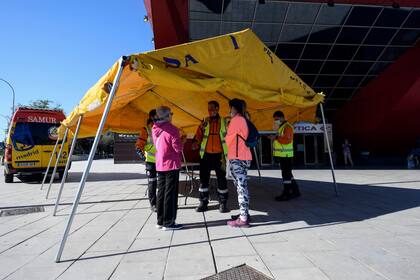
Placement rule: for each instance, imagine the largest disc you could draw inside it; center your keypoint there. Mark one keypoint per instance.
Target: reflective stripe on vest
(283, 150)
(222, 134)
(149, 148)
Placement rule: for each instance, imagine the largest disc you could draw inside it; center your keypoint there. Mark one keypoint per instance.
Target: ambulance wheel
(8, 178)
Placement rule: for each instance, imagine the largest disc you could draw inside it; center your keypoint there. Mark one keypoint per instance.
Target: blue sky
(56, 50)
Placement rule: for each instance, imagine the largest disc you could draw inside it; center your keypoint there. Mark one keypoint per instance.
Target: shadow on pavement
(318, 207)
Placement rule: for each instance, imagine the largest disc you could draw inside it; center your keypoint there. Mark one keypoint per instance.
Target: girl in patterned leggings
(239, 156)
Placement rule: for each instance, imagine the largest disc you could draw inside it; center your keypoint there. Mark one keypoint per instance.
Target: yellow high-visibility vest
(150, 148)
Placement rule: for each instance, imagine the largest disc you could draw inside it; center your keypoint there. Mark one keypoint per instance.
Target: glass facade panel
(271, 12)
(326, 81)
(267, 32)
(334, 67)
(289, 50)
(363, 16)
(352, 35)
(379, 36)
(333, 15)
(406, 37)
(295, 33)
(316, 51)
(413, 20)
(392, 53)
(324, 34)
(302, 13)
(391, 17)
(359, 68)
(239, 10)
(368, 53)
(308, 67)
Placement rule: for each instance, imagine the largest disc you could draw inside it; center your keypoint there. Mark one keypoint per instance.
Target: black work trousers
(290, 185)
(152, 182)
(208, 163)
(167, 198)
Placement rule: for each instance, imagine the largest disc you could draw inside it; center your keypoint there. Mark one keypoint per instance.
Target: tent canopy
(187, 76)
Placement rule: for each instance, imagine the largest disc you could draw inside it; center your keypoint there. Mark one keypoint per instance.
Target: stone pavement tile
(189, 266)
(194, 251)
(398, 270)
(10, 263)
(409, 252)
(267, 235)
(96, 268)
(254, 261)
(281, 255)
(189, 277)
(148, 249)
(410, 238)
(311, 273)
(224, 231)
(35, 273)
(338, 265)
(140, 270)
(232, 247)
(190, 236)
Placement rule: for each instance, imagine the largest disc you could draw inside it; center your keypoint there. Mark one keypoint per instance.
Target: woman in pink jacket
(239, 156)
(168, 162)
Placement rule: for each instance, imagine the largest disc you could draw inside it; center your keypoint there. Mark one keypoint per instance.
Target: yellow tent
(186, 77)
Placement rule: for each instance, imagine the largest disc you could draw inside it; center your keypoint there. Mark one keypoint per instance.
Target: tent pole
(329, 149)
(49, 163)
(66, 170)
(90, 159)
(57, 161)
(257, 161)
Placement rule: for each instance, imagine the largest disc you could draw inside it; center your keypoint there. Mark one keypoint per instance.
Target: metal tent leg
(66, 170)
(257, 162)
(90, 159)
(57, 161)
(49, 163)
(329, 149)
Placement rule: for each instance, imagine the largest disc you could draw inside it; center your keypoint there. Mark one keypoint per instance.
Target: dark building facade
(363, 54)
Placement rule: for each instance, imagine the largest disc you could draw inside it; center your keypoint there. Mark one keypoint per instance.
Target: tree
(43, 104)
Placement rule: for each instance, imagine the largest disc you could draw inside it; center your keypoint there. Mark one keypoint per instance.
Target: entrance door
(311, 147)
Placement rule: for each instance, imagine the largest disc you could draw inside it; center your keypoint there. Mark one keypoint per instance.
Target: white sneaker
(158, 226)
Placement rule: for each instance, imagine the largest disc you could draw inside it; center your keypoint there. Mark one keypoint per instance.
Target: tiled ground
(371, 231)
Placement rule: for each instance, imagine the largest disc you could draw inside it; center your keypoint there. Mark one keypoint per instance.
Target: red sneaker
(238, 223)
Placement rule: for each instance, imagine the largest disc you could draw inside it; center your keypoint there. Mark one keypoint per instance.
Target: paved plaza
(371, 231)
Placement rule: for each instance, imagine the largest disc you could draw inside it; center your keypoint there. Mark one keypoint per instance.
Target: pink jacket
(237, 149)
(168, 146)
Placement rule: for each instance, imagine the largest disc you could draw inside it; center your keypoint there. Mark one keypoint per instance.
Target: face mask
(232, 114)
(277, 122)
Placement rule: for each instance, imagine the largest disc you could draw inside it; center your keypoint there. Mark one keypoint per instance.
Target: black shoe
(223, 208)
(235, 217)
(202, 207)
(174, 226)
(294, 195)
(283, 197)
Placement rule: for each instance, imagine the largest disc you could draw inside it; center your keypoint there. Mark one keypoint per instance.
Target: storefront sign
(306, 128)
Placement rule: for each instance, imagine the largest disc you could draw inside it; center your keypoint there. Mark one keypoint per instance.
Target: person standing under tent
(210, 136)
(145, 144)
(347, 152)
(240, 157)
(168, 163)
(283, 153)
